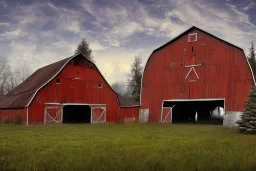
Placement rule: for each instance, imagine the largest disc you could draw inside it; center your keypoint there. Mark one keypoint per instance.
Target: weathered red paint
(129, 114)
(77, 82)
(223, 73)
(12, 114)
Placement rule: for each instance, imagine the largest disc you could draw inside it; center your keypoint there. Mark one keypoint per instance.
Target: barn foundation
(230, 119)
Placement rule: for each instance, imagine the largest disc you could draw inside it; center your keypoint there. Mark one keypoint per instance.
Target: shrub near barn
(247, 124)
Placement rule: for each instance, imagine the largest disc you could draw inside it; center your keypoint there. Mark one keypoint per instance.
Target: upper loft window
(192, 37)
(99, 85)
(57, 81)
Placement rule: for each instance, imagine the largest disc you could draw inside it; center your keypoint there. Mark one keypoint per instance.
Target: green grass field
(125, 147)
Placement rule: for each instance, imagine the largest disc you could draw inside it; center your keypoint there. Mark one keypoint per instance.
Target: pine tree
(83, 48)
(251, 58)
(134, 80)
(247, 124)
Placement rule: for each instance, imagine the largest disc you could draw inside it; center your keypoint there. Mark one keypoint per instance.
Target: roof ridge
(190, 29)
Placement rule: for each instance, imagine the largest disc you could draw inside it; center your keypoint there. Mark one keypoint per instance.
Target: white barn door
(98, 114)
(53, 114)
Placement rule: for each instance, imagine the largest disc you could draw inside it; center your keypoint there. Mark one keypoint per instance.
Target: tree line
(9, 78)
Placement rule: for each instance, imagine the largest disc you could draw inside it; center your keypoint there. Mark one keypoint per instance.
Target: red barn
(68, 91)
(193, 74)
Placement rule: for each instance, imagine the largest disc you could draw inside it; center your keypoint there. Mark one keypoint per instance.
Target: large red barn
(194, 73)
(70, 90)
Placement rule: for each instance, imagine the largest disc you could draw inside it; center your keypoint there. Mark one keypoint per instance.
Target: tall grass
(125, 147)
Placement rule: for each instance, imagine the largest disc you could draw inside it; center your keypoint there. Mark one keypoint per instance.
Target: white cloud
(21, 52)
(52, 6)
(117, 26)
(11, 34)
(249, 6)
(96, 46)
(4, 24)
(73, 26)
(225, 22)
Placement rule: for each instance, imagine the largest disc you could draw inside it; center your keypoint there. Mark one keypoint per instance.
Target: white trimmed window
(192, 37)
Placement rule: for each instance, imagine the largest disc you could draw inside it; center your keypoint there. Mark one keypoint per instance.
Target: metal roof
(125, 102)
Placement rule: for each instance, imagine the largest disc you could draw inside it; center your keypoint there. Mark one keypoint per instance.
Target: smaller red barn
(68, 91)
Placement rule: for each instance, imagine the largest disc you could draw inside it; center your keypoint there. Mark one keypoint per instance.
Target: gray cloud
(41, 32)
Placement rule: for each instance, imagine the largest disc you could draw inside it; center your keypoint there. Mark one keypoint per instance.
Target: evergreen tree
(134, 80)
(247, 124)
(251, 58)
(83, 48)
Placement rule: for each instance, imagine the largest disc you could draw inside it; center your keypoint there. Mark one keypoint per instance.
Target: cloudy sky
(45, 31)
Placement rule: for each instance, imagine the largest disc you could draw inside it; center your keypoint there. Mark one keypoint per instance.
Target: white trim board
(27, 115)
(187, 100)
(193, 65)
(53, 103)
(85, 104)
(65, 104)
(250, 69)
(192, 68)
(129, 106)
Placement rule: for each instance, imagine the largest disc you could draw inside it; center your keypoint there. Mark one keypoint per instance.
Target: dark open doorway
(197, 111)
(76, 114)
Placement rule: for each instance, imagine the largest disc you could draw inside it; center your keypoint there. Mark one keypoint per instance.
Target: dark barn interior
(76, 114)
(185, 111)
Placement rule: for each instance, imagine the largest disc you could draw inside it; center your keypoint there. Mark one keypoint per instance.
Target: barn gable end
(198, 67)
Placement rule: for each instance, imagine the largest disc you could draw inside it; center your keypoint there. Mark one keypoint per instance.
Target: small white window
(192, 37)
(99, 85)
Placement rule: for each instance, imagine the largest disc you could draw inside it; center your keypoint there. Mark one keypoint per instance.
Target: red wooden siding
(12, 115)
(78, 84)
(223, 73)
(129, 114)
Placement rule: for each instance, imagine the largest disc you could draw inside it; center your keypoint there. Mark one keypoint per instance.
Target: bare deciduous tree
(10, 79)
(20, 74)
(5, 74)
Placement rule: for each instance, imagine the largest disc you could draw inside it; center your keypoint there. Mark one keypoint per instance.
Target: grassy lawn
(125, 147)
